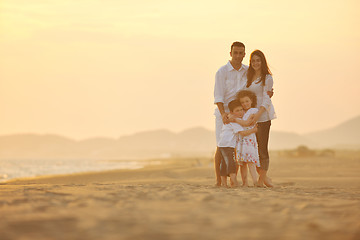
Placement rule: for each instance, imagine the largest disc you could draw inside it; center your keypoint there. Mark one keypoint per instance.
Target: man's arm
(224, 115)
(219, 94)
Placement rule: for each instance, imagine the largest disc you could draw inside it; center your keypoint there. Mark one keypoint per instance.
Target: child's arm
(248, 132)
(258, 114)
(245, 123)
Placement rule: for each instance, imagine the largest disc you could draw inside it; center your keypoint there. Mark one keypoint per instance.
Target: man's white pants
(218, 125)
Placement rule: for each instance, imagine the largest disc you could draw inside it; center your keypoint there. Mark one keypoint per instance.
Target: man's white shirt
(228, 81)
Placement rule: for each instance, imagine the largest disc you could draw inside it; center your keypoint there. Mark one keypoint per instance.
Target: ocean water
(19, 168)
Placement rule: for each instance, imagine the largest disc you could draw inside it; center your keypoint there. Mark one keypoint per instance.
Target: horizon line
(161, 129)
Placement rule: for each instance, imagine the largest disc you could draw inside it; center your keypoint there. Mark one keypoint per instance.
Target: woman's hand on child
(270, 93)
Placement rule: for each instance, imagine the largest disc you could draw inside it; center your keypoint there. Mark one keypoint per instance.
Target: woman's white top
(263, 98)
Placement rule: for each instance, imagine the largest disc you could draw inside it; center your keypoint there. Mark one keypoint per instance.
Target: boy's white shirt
(229, 134)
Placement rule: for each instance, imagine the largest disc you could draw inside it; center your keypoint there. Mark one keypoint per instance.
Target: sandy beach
(313, 198)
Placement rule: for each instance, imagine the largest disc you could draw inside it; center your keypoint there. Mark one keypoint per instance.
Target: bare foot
(234, 185)
(268, 182)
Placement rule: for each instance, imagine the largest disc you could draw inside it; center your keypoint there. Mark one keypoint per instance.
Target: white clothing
(263, 98)
(229, 134)
(218, 126)
(228, 81)
(246, 149)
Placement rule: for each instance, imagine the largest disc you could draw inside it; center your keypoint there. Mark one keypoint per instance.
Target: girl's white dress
(246, 149)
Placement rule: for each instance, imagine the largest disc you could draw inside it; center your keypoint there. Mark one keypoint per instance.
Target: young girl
(246, 148)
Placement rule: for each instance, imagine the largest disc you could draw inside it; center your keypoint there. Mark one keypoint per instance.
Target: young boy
(227, 144)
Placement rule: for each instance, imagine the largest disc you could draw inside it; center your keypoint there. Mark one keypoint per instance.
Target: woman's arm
(266, 101)
(258, 114)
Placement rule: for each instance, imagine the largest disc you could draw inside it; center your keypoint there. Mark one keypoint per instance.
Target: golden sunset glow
(109, 68)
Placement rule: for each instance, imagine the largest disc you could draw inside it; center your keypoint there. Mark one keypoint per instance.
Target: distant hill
(163, 143)
(345, 134)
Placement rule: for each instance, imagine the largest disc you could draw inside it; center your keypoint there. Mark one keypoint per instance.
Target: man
(229, 80)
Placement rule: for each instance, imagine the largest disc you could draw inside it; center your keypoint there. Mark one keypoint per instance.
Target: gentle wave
(19, 168)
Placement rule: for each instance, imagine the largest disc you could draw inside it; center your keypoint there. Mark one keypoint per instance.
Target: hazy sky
(90, 68)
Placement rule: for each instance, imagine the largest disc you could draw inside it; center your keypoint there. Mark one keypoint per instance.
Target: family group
(243, 119)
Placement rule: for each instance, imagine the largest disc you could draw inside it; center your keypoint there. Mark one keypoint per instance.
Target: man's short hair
(237, 44)
(234, 104)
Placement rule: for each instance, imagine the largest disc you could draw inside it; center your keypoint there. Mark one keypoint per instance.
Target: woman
(259, 81)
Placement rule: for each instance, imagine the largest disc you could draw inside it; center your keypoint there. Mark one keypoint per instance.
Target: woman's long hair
(264, 68)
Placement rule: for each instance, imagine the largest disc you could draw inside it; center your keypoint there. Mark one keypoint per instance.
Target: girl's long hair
(247, 93)
(264, 68)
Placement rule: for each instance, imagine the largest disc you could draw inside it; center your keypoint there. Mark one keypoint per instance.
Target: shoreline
(203, 167)
(150, 165)
(52, 171)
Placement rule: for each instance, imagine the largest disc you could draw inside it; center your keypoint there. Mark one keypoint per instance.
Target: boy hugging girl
(238, 145)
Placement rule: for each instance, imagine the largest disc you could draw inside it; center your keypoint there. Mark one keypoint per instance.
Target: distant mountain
(33, 145)
(345, 134)
(163, 143)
